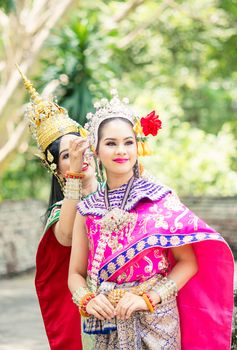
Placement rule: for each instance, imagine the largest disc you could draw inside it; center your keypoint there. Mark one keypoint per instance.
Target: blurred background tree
(177, 57)
(7, 5)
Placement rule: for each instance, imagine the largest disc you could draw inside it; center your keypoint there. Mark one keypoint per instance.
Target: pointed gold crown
(47, 120)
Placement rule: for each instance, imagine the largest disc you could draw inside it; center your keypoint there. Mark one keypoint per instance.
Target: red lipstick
(85, 166)
(120, 160)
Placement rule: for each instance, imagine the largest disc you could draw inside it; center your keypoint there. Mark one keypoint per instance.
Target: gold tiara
(105, 109)
(116, 108)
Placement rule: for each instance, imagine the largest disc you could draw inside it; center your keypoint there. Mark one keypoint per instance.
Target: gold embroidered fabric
(145, 331)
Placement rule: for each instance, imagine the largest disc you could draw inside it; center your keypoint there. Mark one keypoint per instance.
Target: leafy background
(177, 57)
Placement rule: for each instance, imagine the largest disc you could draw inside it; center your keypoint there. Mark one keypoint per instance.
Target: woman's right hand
(77, 148)
(100, 307)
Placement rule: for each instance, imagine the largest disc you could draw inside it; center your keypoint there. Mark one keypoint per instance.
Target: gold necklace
(117, 218)
(114, 221)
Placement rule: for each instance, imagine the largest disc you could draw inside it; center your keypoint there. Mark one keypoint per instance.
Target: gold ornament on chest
(116, 225)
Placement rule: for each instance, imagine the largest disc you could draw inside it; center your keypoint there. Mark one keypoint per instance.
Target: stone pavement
(21, 326)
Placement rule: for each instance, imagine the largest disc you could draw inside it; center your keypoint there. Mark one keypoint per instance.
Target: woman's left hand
(128, 304)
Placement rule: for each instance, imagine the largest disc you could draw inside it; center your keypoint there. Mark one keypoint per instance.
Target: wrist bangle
(73, 189)
(149, 302)
(166, 289)
(79, 293)
(74, 175)
(83, 304)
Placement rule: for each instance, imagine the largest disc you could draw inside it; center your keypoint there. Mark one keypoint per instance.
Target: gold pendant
(115, 220)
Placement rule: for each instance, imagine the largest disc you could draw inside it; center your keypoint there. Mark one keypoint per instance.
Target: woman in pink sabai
(145, 271)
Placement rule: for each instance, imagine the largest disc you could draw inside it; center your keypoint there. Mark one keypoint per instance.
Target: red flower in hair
(151, 124)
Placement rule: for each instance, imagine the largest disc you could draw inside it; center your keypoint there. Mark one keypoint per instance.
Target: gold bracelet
(79, 294)
(73, 189)
(166, 289)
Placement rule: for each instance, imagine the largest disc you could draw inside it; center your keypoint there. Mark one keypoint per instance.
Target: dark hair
(106, 121)
(56, 193)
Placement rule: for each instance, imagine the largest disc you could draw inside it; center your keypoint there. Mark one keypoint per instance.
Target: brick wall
(21, 228)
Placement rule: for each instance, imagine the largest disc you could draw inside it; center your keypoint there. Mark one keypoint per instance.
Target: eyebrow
(113, 139)
(64, 150)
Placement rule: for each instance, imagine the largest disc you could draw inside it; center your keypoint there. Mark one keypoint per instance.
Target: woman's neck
(89, 186)
(116, 181)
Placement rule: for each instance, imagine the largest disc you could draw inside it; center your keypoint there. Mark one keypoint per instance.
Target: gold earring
(50, 157)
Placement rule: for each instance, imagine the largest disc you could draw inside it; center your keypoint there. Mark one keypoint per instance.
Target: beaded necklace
(116, 220)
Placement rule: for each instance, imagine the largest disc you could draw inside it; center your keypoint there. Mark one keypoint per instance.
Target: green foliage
(192, 161)
(68, 49)
(179, 59)
(7, 5)
(24, 178)
(189, 50)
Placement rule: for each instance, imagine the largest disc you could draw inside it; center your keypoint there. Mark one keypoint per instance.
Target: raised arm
(63, 228)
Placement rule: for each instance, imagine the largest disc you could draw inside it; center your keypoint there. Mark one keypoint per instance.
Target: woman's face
(117, 148)
(88, 167)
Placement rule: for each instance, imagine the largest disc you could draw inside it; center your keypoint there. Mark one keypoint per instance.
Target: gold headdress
(106, 110)
(116, 108)
(47, 121)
